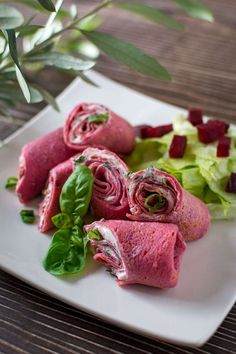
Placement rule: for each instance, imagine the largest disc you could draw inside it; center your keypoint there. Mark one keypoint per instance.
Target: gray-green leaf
(196, 8)
(48, 98)
(128, 54)
(10, 17)
(47, 4)
(62, 61)
(152, 14)
(13, 52)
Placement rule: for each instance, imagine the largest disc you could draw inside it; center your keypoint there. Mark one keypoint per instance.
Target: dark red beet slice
(156, 132)
(231, 184)
(178, 146)
(138, 129)
(211, 131)
(195, 116)
(221, 124)
(223, 147)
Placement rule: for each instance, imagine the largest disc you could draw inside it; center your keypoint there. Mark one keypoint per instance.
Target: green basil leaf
(76, 192)
(128, 54)
(94, 235)
(10, 17)
(98, 118)
(27, 216)
(152, 14)
(62, 221)
(11, 183)
(196, 8)
(62, 61)
(13, 52)
(48, 5)
(67, 252)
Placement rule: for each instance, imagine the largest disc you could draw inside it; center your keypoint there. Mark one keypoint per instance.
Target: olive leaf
(152, 14)
(128, 54)
(10, 17)
(47, 4)
(62, 61)
(13, 52)
(196, 8)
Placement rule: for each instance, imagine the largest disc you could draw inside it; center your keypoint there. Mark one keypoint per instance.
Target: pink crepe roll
(155, 195)
(138, 252)
(50, 205)
(95, 124)
(109, 198)
(36, 160)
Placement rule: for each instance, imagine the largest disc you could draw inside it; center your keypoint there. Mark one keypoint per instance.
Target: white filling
(108, 236)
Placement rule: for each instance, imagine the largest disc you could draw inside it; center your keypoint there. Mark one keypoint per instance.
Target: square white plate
(188, 314)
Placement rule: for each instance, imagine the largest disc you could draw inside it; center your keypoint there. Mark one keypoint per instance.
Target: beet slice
(178, 146)
(138, 129)
(211, 131)
(220, 124)
(231, 184)
(156, 132)
(195, 116)
(223, 147)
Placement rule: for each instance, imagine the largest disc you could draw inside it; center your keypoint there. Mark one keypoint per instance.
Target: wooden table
(202, 61)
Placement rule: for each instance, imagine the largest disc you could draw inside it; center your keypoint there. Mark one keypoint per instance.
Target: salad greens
(200, 171)
(68, 249)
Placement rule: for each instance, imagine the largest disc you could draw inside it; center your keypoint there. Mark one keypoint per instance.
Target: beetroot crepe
(95, 124)
(109, 198)
(50, 204)
(154, 195)
(36, 160)
(138, 252)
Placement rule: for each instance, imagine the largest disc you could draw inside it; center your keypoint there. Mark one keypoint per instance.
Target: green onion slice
(27, 216)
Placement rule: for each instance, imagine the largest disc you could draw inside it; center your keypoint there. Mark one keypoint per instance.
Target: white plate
(188, 314)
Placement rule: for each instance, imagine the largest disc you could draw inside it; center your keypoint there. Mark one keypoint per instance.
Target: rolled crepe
(154, 195)
(109, 198)
(50, 205)
(112, 131)
(36, 160)
(139, 252)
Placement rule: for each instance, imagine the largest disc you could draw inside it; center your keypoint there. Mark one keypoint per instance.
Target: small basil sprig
(11, 183)
(27, 216)
(68, 249)
(98, 118)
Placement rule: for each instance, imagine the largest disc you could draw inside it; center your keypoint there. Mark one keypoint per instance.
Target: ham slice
(109, 198)
(154, 195)
(36, 160)
(112, 132)
(50, 204)
(146, 253)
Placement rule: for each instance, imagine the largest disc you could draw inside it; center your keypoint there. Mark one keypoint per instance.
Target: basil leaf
(76, 192)
(152, 14)
(128, 54)
(94, 235)
(27, 216)
(67, 252)
(98, 118)
(62, 220)
(11, 183)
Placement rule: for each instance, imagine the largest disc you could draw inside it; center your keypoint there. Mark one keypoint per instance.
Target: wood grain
(203, 67)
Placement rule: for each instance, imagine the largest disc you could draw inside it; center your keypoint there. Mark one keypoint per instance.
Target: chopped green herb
(154, 202)
(11, 183)
(79, 159)
(27, 216)
(94, 234)
(98, 118)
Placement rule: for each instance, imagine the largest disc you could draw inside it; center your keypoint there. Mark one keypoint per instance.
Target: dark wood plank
(202, 63)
